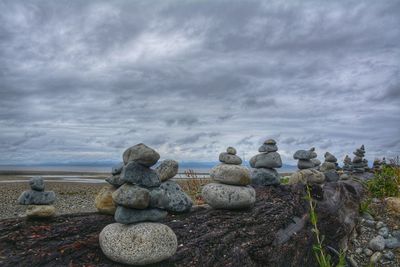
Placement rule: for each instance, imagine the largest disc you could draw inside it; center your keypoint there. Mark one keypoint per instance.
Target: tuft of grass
(192, 185)
(285, 180)
(364, 206)
(386, 182)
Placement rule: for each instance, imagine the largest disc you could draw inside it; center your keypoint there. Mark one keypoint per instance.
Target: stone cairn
(230, 188)
(359, 164)
(347, 164)
(264, 164)
(307, 172)
(329, 168)
(144, 196)
(39, 200)
(377, 165)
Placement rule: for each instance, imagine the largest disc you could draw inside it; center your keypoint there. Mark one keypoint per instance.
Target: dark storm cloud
(191, 78)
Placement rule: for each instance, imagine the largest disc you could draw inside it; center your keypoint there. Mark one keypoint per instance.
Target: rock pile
(329, 168)
(307, 172)
(141, 201)
(305, 158)
(39, 199)
(377, 165)
(347, 164)
(264, 164)
(359, 164)
(230, 189)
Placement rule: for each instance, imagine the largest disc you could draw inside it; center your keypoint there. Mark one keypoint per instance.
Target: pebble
(392, 243)
(368, 252)
(377, 243)
(384, 231)
(379, 225)
(359, 250)
(389, 255)
(375, 257)
(369, 223)
(367, 216)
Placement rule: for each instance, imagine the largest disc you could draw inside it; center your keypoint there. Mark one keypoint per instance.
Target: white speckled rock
(138, 244)
(222, 196)
(231, 174)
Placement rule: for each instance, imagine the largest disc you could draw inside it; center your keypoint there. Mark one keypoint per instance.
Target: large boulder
(222, 196)
(264, 176)
(266, 160)
(132, 196)
(135, 173)
(104, 202)
(231, 174)
(138, 244)
(141, 154)
(167, 169)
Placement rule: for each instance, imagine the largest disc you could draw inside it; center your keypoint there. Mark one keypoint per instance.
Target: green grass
(386, 182)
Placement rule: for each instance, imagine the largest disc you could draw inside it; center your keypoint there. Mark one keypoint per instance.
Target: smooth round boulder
(167, 169)
(231, 150)
(141, 154)
(104, 202)
(223, 196)
(115, 180)
(138, 244)
(266, 160)
(268, 148)
(132, 196)
(36, 183)
(231, 174)
(263, 176)
(128, 216)
(229, 159)
(32, 197)
(40, 211)
(307, 176)
(135, 173)
(117, 169)
(305, 164)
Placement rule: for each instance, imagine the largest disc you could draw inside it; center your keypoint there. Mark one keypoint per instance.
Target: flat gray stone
(263, 176)
(138, 244)
(266, 160)
(305, 164)
(115, 180)
(268, 148)
(36, 183)
(229, 159)
(128, 216)
(135, 173)
(303, 154)
(132, 196)
(141, 154)
(117, 169)
(231, 174)
(222, 196)
(167, 169)
(32, 197)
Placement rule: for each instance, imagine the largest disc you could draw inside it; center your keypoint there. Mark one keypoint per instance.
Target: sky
(81, 81)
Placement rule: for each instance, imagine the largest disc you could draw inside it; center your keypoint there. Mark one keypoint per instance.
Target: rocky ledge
(276, 232)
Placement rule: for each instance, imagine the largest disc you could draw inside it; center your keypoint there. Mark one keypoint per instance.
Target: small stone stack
(347, 164)
(329, 168)
(307, 172)
(39, 200)
(264, 164)
(377, 165)
(305, 158)
(358, 164)
(230, 189)
(142, 199)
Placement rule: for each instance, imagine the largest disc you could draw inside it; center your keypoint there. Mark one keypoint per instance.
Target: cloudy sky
(83, 80)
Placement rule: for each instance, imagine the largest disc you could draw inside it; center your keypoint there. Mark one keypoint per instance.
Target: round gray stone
(263, 176)
(36, 183)
(131, 196)
(117, 169)
(128, 216)
(138, 244)
(222, 196)
(266, 160)
(229, 159)
(141, 154)
(377, 243)
(231, 150)
(305, 164)
(135, 173)
(231, 174)
(33, 197)
(167, 169)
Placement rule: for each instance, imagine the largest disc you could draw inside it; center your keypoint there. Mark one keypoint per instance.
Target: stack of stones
(144, 196)
(377, 165)
(39, 200)
(347, 164)
(359, 164)
(307, 172)
(230, 188)
(329, 168)
(264, 164)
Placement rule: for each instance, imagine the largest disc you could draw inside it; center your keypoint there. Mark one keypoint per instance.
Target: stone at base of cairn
(138, 244)
(307, 176)
(40, 211)
(223, 196)
(104, 202)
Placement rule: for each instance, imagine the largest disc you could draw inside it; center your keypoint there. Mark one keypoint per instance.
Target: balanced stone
(231, 150)
(117, 169)
(33, 197)
(138, 244)
(115, 180)
(231, 174)
(222, 196)
(347, 163)
(316, 162)
(331, 176)
(177, 199)
(264, 176)
(104, 202)
(268, 148)
(40, 211)
(305, 164)
(303, 154)
(270, 142)
(228, 158)
(36, 183)
(141, 154)
(167, 169)
(128, 216)
(266, 160)
(135, 173)
(307, 176)
(132, 196)
(330, 158)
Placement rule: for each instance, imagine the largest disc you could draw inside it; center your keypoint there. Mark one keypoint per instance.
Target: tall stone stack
(307, 172)
(39, 200)
(358, 164)
(142, 200)
(329, 168)
(264, 164)
(230, 188)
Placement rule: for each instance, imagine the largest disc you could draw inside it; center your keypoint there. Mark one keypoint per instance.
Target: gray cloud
(96, 77)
